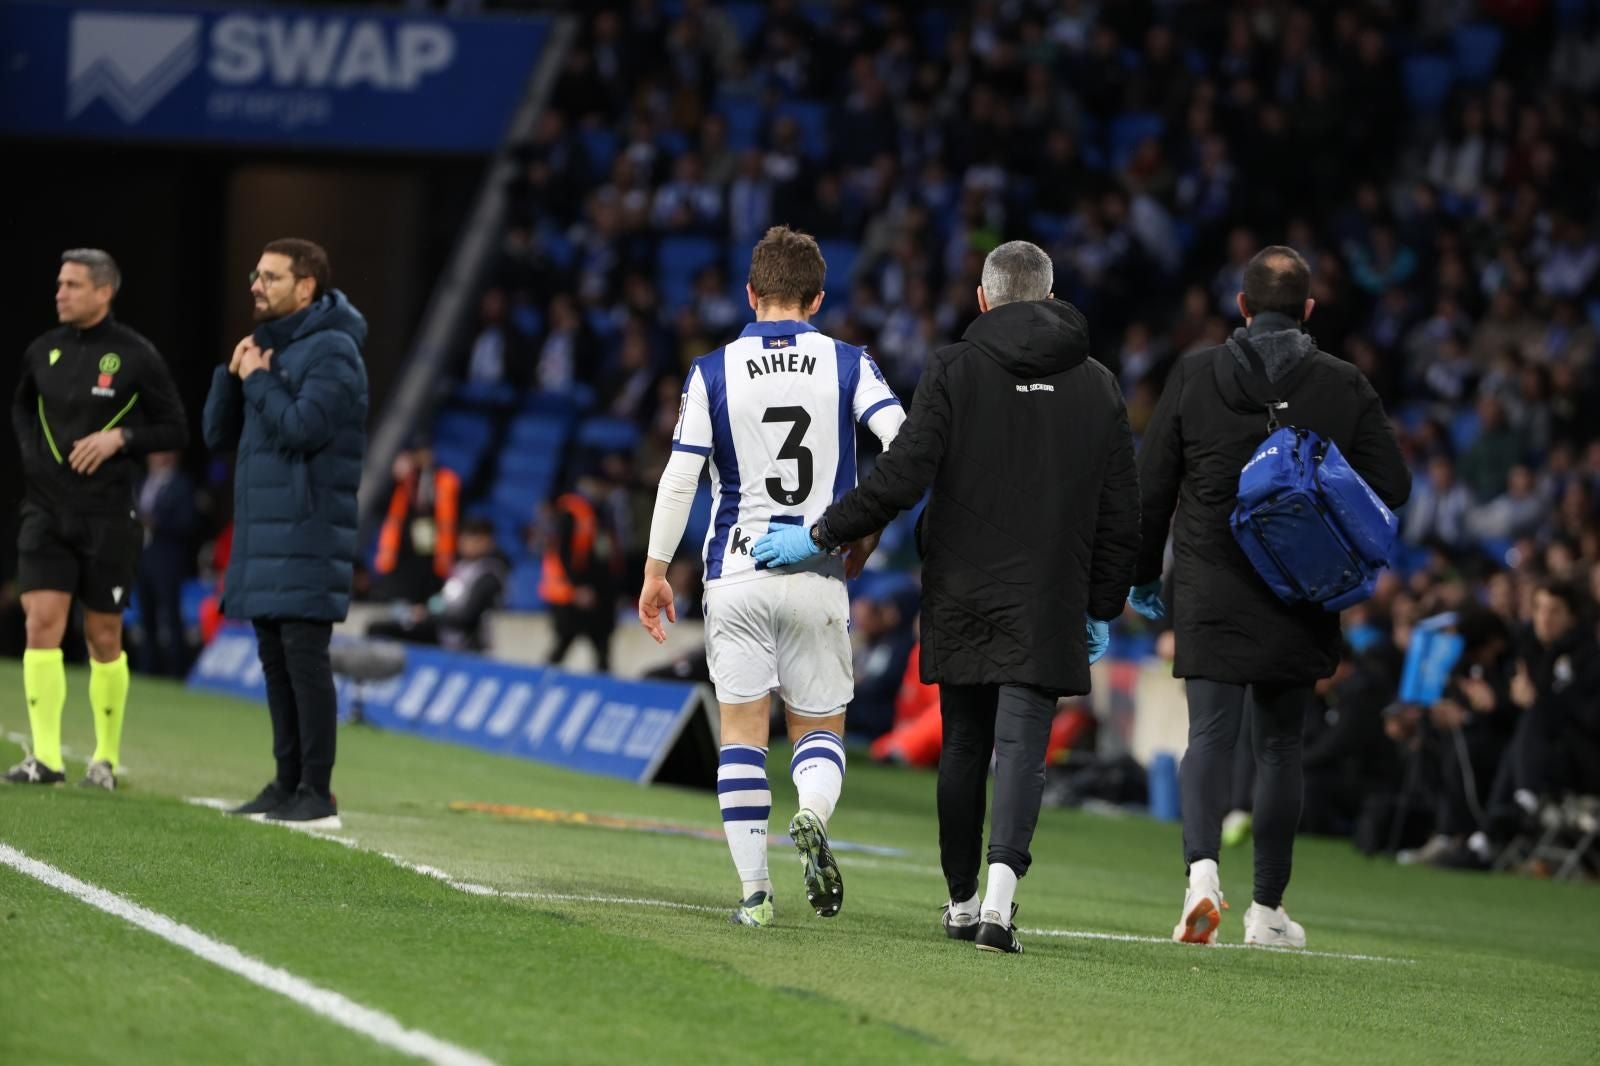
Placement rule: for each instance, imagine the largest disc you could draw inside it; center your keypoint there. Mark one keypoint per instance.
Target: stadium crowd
(1431, 160)
(1428, 159)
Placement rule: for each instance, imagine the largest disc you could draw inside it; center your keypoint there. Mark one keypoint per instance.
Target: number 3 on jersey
(800, 421)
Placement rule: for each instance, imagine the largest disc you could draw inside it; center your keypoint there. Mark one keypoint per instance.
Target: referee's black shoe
(267, 800)
(308, 810)
(31, 771)
(999, 937)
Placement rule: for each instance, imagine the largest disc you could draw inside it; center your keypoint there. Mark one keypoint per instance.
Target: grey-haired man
(1030, 532)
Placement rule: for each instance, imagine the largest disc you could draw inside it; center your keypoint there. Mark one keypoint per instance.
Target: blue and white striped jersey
(776, 412)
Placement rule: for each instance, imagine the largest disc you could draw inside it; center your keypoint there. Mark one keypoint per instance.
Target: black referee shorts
(93, 556)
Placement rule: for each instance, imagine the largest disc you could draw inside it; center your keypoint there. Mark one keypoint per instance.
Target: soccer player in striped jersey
(776, 413)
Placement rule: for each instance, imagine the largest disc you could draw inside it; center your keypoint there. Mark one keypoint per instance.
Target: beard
(262, 312)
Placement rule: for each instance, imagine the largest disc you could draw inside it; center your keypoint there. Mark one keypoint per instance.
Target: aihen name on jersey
(783, 362)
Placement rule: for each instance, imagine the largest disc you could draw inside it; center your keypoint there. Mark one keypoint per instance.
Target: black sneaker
(958, 926)
(1000, 937)
(267, 800)
(31, 771)
(308, 810)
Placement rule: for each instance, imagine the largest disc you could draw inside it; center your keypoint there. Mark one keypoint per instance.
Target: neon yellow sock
(108, 695)
(44, 680)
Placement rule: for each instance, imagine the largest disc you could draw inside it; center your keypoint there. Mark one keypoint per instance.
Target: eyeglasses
(269, 279)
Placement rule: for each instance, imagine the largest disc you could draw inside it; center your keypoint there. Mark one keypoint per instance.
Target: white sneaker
(1202, 914)
(1272, 928)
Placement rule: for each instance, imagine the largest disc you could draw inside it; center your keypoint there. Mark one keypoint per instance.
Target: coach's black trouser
(1012, 722)
(301, 698)
(1277, 713)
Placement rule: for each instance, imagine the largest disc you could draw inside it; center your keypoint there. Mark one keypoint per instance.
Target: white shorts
(784, 633)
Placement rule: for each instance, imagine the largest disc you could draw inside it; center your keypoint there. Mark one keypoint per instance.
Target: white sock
(746, 801)
(1203, 874)
(818, 772)
(1002, 890)
(966, 908)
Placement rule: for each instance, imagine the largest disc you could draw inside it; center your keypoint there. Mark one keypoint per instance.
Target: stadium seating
(1428, 81)
(1477, 52)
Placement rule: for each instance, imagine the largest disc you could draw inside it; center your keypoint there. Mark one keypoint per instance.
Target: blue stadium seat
(1477, 49)
(672, 143)
(567, 402)
(608, 435)
(812, 118)
(522, 593)
(744, 119)
(540, 466)
(600, 145)
(694, 533)
(841, 258)
(1047, 229)
(463, 461)
(678, 259)
(1127, 131)
(492, 395)
(1464, 429)
(747, 20)
(538, 433)
(1428, 80)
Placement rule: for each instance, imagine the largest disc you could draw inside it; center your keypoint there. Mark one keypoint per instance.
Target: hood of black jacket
(1286, 353)
(330, 311)
(1032, 338)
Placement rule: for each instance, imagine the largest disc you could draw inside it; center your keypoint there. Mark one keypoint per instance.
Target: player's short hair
(1570, 593)
(1277, 279)
(1017, 271)
(787, 267)
(102, 268)
(307, 259)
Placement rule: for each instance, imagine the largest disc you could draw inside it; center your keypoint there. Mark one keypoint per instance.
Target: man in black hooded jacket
(1032, 524)
(1236, 640)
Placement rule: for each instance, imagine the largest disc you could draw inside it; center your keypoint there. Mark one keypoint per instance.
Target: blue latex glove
(1146, 600)
(785, 546)
(1098, 635)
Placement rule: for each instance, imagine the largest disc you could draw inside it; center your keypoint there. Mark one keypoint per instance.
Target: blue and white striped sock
(818, 772)
(746, 801)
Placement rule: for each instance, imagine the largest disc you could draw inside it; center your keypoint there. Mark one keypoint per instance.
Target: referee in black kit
(94, 397)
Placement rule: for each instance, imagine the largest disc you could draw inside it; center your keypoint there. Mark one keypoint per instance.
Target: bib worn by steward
(1308, 523)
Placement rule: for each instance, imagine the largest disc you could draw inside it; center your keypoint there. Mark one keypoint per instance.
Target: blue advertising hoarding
(587, 722)
(273, 75)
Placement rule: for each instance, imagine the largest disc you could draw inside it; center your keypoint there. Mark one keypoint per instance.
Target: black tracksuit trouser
(1013, 723)
(1277, 714)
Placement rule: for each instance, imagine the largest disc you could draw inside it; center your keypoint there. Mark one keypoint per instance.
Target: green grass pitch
(1469, 969)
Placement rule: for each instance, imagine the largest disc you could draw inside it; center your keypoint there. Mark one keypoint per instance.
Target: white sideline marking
(474, 889)
(370, 1023)
(1130, 938)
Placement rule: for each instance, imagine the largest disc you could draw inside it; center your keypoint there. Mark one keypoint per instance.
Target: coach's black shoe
(307, 810)
(99, 775)
(31, 771)
(958, 926)
(999, 937)
(267, 800)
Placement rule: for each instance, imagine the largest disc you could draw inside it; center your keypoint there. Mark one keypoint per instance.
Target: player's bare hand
(254, 359)
(1523, 692)
(857, 552)
(654, 598)
(248, 343)
(89, 452)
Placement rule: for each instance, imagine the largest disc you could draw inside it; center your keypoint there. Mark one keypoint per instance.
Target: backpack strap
(1259, 369)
